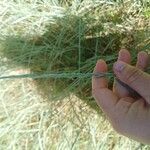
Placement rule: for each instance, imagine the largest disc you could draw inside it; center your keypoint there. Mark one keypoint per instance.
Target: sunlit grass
(52, 35)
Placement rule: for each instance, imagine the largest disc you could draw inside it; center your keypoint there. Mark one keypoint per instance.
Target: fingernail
(119, 66)
(100, 60)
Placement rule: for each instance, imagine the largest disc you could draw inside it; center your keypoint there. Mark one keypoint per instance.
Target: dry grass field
(41, 36)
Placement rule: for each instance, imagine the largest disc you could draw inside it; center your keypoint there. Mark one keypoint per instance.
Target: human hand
(128, 116)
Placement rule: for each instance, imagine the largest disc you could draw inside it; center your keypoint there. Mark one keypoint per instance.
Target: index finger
(101, 82)
(104, 97)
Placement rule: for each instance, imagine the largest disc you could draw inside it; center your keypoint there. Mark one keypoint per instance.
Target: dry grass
(30, 122)
(44, 36)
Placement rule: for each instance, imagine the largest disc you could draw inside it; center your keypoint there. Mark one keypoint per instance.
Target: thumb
(134, 77)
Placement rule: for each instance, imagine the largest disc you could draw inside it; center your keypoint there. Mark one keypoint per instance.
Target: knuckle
(133, 76)
(94, 92)
(118, 127)
(118, 123)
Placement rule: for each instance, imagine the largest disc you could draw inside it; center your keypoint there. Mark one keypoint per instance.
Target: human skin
(128, 116)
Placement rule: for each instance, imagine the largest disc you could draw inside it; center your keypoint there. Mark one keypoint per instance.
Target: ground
(27, 119)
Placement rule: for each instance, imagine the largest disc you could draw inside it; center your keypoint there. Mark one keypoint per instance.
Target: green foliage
(63, 36)
(74, 42)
